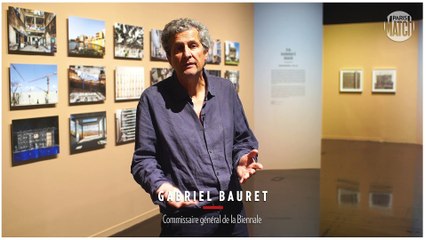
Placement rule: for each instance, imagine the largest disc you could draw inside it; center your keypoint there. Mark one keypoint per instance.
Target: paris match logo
(399, 26)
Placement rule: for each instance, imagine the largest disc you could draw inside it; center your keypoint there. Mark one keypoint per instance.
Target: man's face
(187, 55)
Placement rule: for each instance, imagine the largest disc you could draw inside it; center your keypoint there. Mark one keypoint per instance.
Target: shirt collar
(180, 92)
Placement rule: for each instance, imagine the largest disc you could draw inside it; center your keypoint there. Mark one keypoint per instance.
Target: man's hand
(166, 188)
(248, 166)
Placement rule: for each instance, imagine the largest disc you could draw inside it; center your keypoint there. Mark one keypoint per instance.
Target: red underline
(212, 207)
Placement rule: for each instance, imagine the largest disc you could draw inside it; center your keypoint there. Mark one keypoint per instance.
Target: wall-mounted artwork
(34, 139)
(31, 31)
(125, 120)
(87, 131)
(86, 37)
(129, 83)
(86, 84)
(234, 77)
(33, 85)
(384, 80)
(351, 80)
(232, 53)
(157, 50)
(128, 41)
(159, 74)
(215, 52)
(216, 73)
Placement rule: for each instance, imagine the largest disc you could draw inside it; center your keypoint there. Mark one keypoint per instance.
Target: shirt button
(217, 173)
(210, 152)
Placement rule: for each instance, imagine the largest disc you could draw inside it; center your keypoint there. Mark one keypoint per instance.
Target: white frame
(358, 89)
(379, 72)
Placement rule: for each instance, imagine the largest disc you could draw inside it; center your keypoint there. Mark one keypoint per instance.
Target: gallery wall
(288, 75)
(383, 117)
(92, 193)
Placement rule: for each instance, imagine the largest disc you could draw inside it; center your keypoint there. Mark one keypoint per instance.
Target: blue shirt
(173, 145)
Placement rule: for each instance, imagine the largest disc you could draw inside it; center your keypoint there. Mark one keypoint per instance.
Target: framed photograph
(215, 52)
(31, 31)
(87, 131)
(128, 41)
(33, 85)
(159, 74)
(86, 84)
(232, 53)
(86, 37)
(157, 50)
(129, 83)
(384, 80)
(34, 139)
(125, 120)
(234, 77)
(351, 80)
(216, 73)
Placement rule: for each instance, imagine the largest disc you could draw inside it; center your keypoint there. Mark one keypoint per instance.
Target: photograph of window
(34, 139)
(384, 80)
(129, 83)
(157, 50)
(86, 84)
(86, 37)
(351, 80)
(31, 31)
(125, 120)
(234, 77)
(87, 131)
(159, 74)
(33, 85)
(128, 41)
(232, 53)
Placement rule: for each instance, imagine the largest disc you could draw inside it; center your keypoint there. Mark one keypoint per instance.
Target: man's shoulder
(219, 83)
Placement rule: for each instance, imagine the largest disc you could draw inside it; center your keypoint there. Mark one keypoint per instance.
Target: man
(193, 140)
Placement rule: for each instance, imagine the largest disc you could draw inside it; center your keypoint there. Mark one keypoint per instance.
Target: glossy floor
(362, 189)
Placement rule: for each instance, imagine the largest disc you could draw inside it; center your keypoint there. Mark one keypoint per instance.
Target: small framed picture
(128, 41)
(34, 139)
(86, 37)
(384, 80)
(129, 83)
(232, 53)
(87, 131)
(157, 51)
(234, 77)
(351, 80)
(159, 74)
(86, 84)
(125, 120)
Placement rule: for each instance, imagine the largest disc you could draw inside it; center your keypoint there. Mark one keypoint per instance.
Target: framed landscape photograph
(86, 84)
(384, 80)
(232, 53)
(157, 50)
(128, 41)
(159, 74)
(33, 85)
(125, 120)
(86, 37)
(234, 77)
(351, 80)
(34, 139)
(215, 52)
(129, 83)
(31, 31)
(88, 131)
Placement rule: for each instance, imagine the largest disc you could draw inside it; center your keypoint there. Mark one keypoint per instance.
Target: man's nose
(187, 51)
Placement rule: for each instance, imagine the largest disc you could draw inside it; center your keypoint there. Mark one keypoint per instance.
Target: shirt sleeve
(244, 139)
(145, 168)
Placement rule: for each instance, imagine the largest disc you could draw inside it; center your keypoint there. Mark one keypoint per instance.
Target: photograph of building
(86, 84)
(86, 37)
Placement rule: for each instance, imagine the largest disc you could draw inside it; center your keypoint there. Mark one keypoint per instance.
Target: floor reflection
(370, 189)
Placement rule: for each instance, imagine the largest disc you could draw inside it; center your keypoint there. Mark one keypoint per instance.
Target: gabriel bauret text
(201, 196)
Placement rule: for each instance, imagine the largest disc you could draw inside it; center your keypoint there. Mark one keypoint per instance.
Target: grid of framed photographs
(33, 32)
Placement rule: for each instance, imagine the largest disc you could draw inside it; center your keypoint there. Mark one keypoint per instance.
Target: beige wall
(368, 116)
(93, 193)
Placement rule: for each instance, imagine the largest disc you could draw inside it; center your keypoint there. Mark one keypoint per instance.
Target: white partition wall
(288, 84)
